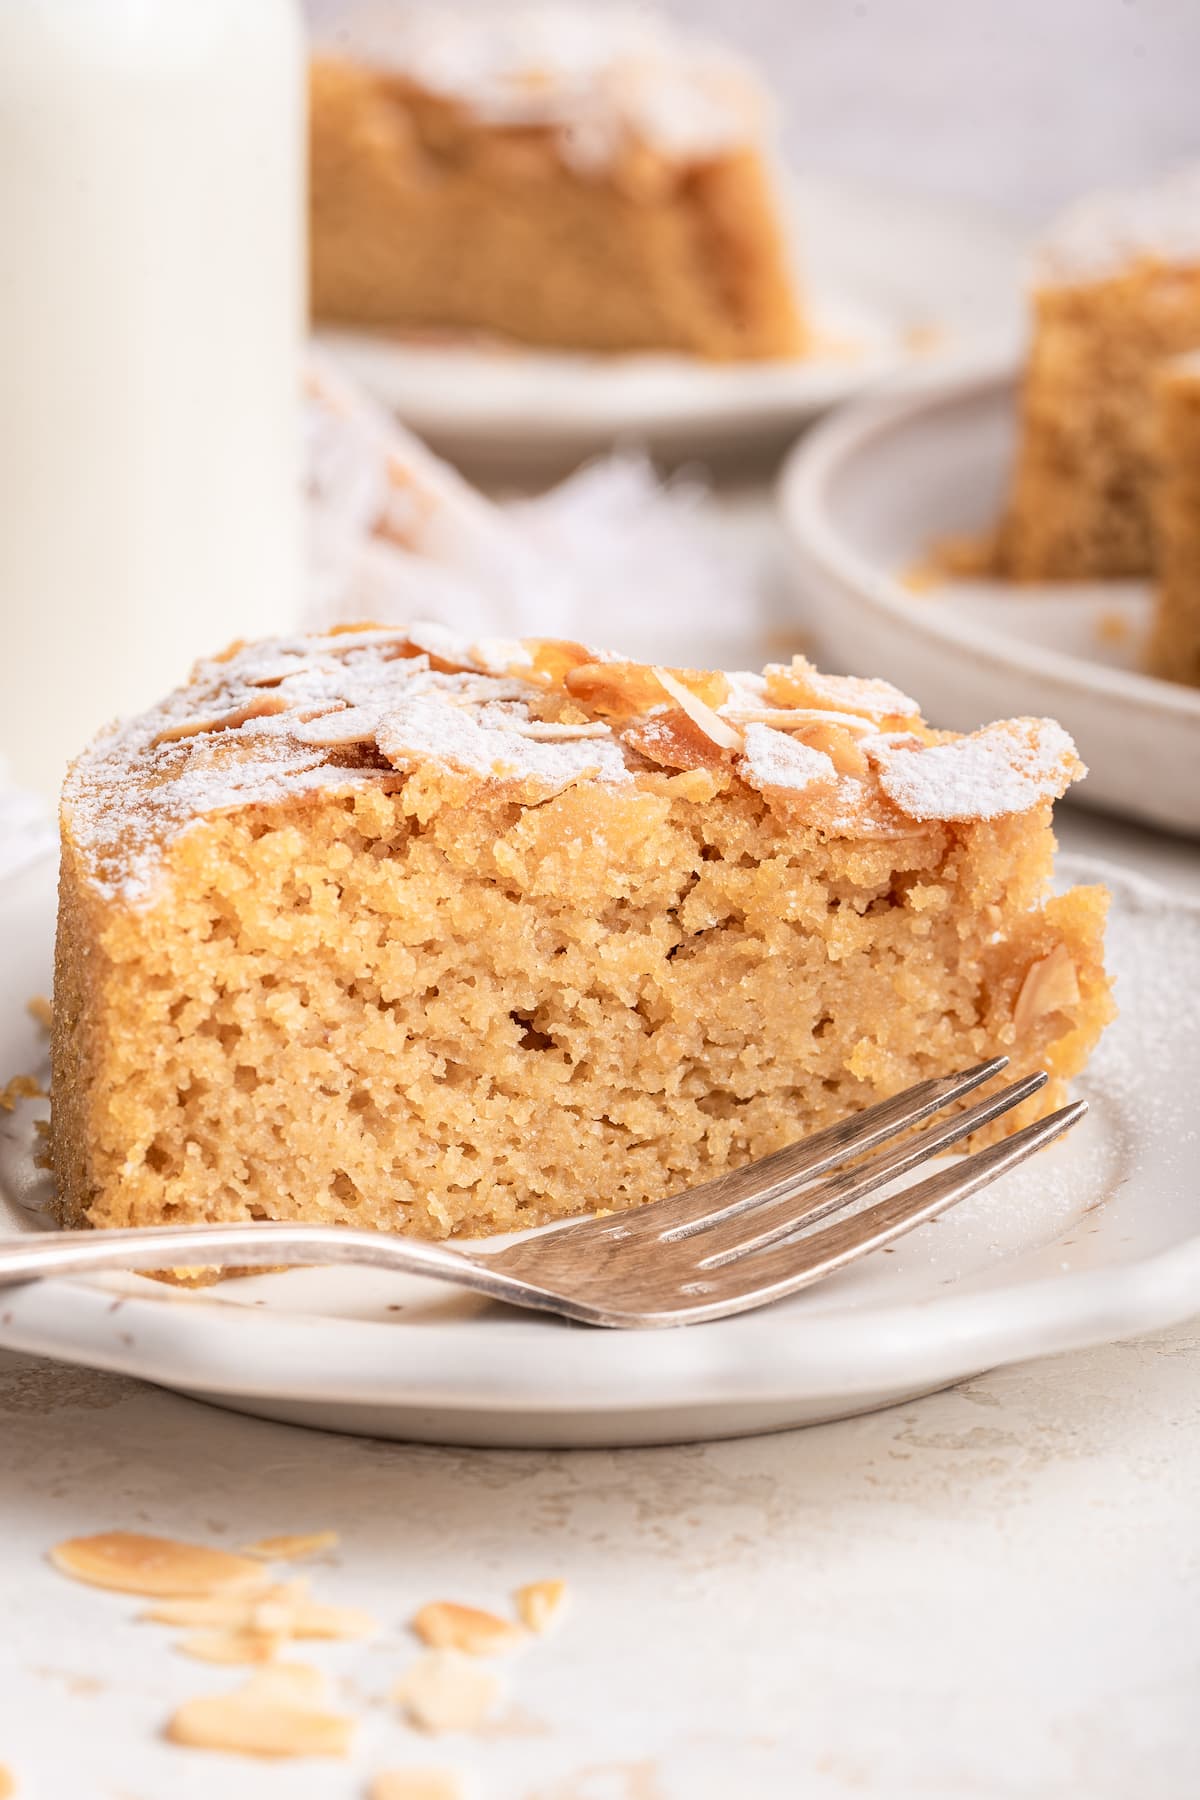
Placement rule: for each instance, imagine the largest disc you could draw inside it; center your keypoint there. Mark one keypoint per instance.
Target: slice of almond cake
(383, 928)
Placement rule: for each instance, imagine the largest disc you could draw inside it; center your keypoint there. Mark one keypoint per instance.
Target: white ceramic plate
(866, 496)
(893, 281)
(1098, 1238)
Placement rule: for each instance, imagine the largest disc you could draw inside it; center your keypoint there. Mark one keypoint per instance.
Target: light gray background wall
(1015, 104)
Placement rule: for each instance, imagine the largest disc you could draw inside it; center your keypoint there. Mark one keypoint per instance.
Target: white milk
(151, 309)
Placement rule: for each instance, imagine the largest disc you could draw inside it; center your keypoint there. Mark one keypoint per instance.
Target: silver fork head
(709, 1259)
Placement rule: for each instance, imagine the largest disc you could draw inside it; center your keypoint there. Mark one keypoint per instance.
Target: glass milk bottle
(151, 308)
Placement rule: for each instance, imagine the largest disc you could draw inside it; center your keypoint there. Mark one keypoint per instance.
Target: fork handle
(265, 1245)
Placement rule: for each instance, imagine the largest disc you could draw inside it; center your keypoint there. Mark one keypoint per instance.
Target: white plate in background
(1097, 1238)
(903, 281)
(867, 495)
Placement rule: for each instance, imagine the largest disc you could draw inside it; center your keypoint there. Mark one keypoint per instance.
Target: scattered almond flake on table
(446, 1691)
(134, 1564)
(292, 1546)
(238, 1646)
(444, 1625)
(416, 1784)
(285, 1609)
(278, 1712)
(540, 1603)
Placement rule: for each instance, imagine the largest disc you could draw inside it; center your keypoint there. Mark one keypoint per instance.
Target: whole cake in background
(571, 177)
(1175, 639)
(388, 928)
(1117, 292)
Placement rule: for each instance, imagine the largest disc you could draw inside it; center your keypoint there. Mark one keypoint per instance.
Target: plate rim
(1041, 1315)
(817, 460)
(727, 398)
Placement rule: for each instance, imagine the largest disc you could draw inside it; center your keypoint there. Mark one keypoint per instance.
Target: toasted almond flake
(626, 689)
(1051, 985)
(798, 718)
(291, 1546)
(345, 726)
(555, 730)
(133, 1564)
(241, 1646)
(722, 733)
(444, 1625)
(310, 1619)
(776, 763)
(540, 1603)
(262, 706)
(801, 684)
(446, 1691)
(1007, 767)
(416, 1784)
(268, 1610)
(673, 740)
(275, 1713)
(42, 1010)
(21, 1087)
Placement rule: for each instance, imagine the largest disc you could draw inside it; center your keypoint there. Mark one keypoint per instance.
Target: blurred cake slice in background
(1175, 639)
(579, 178)
(1117, 291)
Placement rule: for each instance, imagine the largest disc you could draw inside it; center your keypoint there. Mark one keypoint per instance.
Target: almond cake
(385, 928)
(570, 177)
(1175, 635)
(1117, 291)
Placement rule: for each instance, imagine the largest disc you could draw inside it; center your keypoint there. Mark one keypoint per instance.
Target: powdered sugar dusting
(594, 75)
(273, 722)
(773, 760)
(1105, 232)
(1005, 768)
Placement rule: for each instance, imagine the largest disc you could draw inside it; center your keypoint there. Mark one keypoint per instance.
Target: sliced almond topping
(42, 1010)
(445, 1691)
(540, 1603)
(133, 1564)
(834, 741)
(446, 1626)
(291, 1546)
(801, 684)
(246, 1646)
(551, 659)
(674, 741)
(262, 706)
(553, 731)
(722, 733)
(625, 689)
(1051, 985)
(348, 725)
(273, 1714)
(416, 1784)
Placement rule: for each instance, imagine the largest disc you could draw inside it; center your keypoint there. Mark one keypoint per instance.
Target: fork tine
(794, 1212)
(784, 1170)
(752, 1280)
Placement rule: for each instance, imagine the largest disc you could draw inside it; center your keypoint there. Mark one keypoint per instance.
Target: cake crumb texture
(1175, 637)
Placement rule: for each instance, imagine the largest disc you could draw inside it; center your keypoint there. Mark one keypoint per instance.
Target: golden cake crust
(388, 929)
(1174, 651)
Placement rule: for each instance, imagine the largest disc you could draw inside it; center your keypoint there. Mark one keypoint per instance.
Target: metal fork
(734, 1243)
